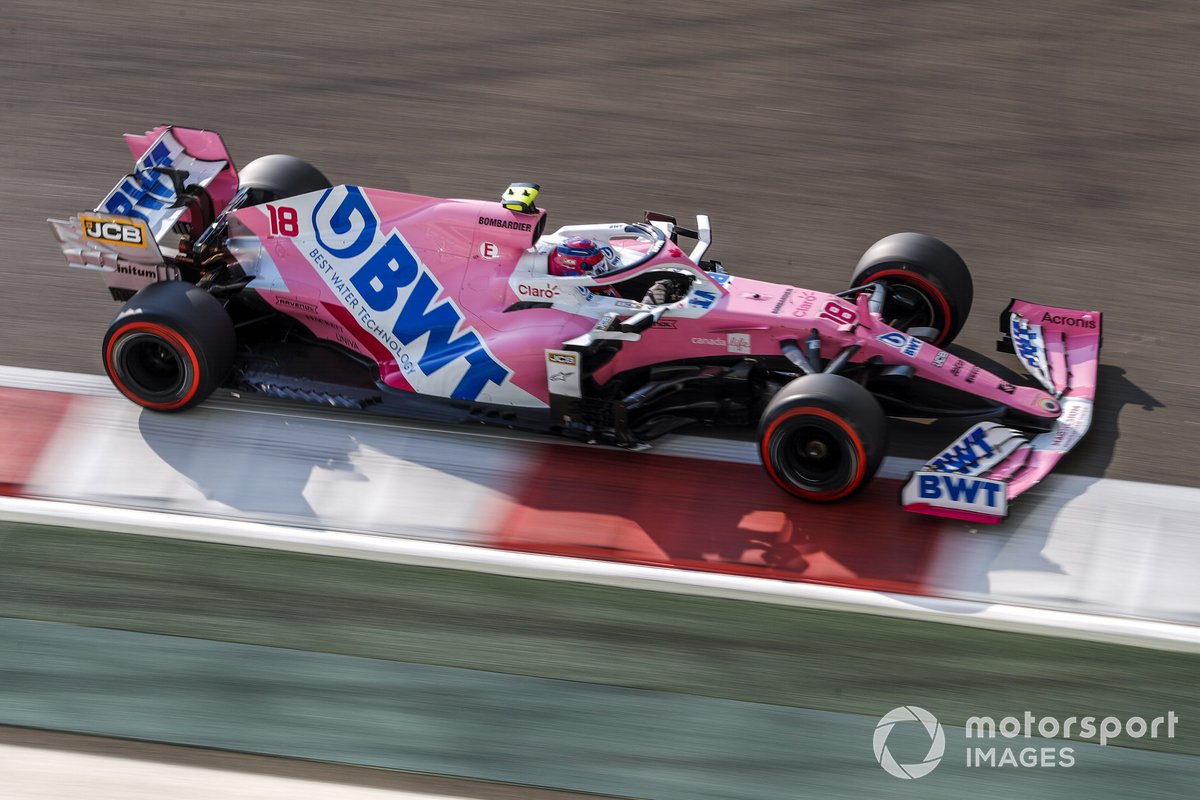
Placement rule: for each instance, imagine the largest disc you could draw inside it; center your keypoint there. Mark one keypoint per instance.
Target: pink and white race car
(271, 280)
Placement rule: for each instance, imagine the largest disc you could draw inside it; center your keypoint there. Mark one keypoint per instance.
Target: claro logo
(542, 292)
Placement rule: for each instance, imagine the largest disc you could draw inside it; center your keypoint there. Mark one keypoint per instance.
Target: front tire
(822, 437)
(929, 285)
(169, 347)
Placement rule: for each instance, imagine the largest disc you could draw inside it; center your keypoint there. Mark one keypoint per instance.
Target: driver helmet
(579, 256)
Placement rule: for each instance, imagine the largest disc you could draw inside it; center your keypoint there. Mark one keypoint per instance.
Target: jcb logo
(130, 234)
(570, 359)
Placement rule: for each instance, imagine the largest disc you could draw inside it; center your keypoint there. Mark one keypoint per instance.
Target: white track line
(1019, 619)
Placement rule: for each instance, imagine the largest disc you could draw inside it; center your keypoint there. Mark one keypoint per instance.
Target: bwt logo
(937, 742)
(144, 189)
(962, 453)
(1028, 342)
(908, 345)
(959, 489)
(394, 284)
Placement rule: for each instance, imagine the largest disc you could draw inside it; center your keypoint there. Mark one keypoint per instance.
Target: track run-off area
(1074, 544)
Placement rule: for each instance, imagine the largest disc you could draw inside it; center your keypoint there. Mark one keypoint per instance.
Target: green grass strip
(739, 650)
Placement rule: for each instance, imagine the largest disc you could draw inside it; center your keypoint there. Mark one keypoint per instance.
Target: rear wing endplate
(127, 233)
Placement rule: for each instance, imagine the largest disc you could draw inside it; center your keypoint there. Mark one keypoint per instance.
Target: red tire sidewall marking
(860, 450)
(925, 286)
(173, 338)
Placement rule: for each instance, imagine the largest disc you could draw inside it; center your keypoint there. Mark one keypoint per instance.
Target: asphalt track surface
(1057, 147)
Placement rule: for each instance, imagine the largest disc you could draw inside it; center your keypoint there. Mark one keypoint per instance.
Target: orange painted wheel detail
(153, 365)
(170, 346)
(813, 453)
(928, 283)
(822, 437)
(941, 316)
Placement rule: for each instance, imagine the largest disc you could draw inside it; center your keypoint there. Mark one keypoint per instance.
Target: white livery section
(563, 373)
(978, 450)
(958, 496)
(121, 247)
(1069, 428)
(1030, 347)
(149, 193)
(591, 295)
(121, 237)
(950, 484)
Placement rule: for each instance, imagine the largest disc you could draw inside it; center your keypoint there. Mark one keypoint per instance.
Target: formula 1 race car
(271, 280)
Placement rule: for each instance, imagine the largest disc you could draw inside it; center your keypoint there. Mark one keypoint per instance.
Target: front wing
(974, 478)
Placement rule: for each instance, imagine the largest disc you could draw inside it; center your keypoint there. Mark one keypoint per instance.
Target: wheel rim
(909, 307)
(813, 455)
(912, 301)
(152, 367)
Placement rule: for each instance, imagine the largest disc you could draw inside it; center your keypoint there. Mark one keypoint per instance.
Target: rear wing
(974, 478)
(179, 174)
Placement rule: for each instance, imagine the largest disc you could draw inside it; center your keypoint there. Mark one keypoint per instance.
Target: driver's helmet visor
(579, 256)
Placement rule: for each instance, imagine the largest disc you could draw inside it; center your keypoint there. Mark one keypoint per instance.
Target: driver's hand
(659, 293)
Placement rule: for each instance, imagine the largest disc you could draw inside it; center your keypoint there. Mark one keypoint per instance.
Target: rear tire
(169, 347)
(278, 176)
(928, 283)
(822, 437)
